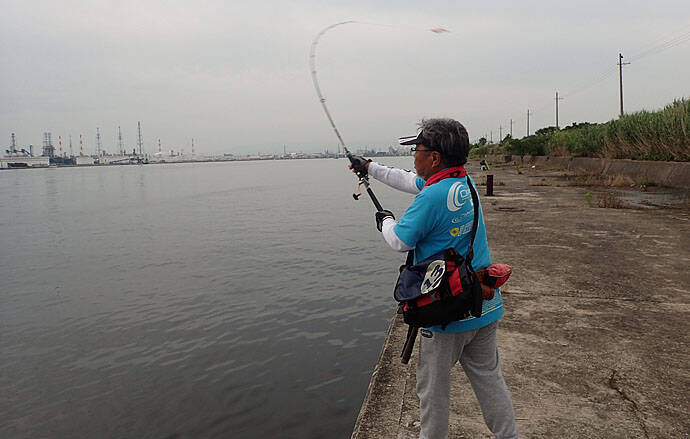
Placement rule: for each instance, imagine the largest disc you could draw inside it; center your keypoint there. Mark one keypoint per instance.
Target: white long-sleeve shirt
(403, 180)
(400, 179)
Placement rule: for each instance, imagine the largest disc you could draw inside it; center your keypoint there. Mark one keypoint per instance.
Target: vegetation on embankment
(657, 135)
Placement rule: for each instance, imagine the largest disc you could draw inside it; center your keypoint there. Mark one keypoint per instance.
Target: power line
(663, 47)
(663, 38)
(657, 47)
(598, 79)
(662, 44)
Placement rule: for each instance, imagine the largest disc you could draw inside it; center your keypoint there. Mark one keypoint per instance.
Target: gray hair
(447, 136)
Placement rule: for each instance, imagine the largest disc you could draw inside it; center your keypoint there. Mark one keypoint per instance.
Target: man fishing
(441, 217)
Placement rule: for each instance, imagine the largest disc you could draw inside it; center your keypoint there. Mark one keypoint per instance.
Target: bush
(480, 151)
(583, 141)
(536, 144)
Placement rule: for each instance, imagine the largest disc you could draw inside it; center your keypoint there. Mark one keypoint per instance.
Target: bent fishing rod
(361, 175)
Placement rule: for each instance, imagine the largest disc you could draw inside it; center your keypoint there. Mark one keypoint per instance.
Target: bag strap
(475, 221)
(409, 344)
(410, 258)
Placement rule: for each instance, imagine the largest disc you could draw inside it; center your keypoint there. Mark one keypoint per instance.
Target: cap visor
(409, 140)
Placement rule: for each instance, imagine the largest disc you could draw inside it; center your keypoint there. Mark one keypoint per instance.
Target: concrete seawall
(594, 338)
(669, 174)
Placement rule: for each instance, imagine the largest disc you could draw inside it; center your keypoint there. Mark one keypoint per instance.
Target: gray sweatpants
(478, 354)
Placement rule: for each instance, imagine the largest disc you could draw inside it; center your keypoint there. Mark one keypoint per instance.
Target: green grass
(644, 135)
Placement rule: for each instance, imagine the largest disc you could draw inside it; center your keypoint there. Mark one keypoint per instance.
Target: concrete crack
(613, 384)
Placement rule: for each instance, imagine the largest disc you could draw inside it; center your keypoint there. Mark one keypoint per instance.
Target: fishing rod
(361, 175)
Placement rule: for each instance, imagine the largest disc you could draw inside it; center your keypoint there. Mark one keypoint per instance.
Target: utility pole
(620, 76)
(491, 137)
(70, 146)
(500, 133)
(557, 99)
(528, 113)
(511, 128)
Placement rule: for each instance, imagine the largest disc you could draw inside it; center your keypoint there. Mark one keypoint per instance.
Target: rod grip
(374, 200)
(409, 344)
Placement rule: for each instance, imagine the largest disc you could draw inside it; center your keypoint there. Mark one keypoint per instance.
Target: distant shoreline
(43, 162)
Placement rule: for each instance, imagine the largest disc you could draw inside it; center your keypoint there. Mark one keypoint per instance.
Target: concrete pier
(594, 341)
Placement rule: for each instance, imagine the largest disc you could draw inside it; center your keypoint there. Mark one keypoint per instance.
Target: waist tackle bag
(441, 289)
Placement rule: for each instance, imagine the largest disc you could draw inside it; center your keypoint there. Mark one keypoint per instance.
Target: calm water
(242, 299)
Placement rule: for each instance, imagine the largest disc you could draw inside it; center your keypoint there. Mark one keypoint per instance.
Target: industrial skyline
(119, 146)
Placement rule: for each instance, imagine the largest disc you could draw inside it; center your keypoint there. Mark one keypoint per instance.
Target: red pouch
(493, 277)
(498, 274)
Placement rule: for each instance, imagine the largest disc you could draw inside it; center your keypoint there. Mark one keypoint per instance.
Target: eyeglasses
(415, 149)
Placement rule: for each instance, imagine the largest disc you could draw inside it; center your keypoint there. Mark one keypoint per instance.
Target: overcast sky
(235, 75)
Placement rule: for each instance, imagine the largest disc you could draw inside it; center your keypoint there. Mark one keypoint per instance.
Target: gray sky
(235, 77)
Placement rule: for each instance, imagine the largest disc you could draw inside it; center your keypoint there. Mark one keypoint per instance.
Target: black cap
(414, 140)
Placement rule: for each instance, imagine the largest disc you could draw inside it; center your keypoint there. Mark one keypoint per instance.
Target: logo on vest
(433, 276)
(457, 194)
(457, 231)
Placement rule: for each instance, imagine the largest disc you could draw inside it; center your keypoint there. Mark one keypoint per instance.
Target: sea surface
(206, 300)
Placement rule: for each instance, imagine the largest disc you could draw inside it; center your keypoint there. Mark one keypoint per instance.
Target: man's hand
(380, 216)
(359, 165)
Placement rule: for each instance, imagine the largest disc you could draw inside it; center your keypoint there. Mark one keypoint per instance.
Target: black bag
(441, 289)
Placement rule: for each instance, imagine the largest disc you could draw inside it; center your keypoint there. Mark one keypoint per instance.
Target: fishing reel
(364, 180)
(362, 175)
(359, 190)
